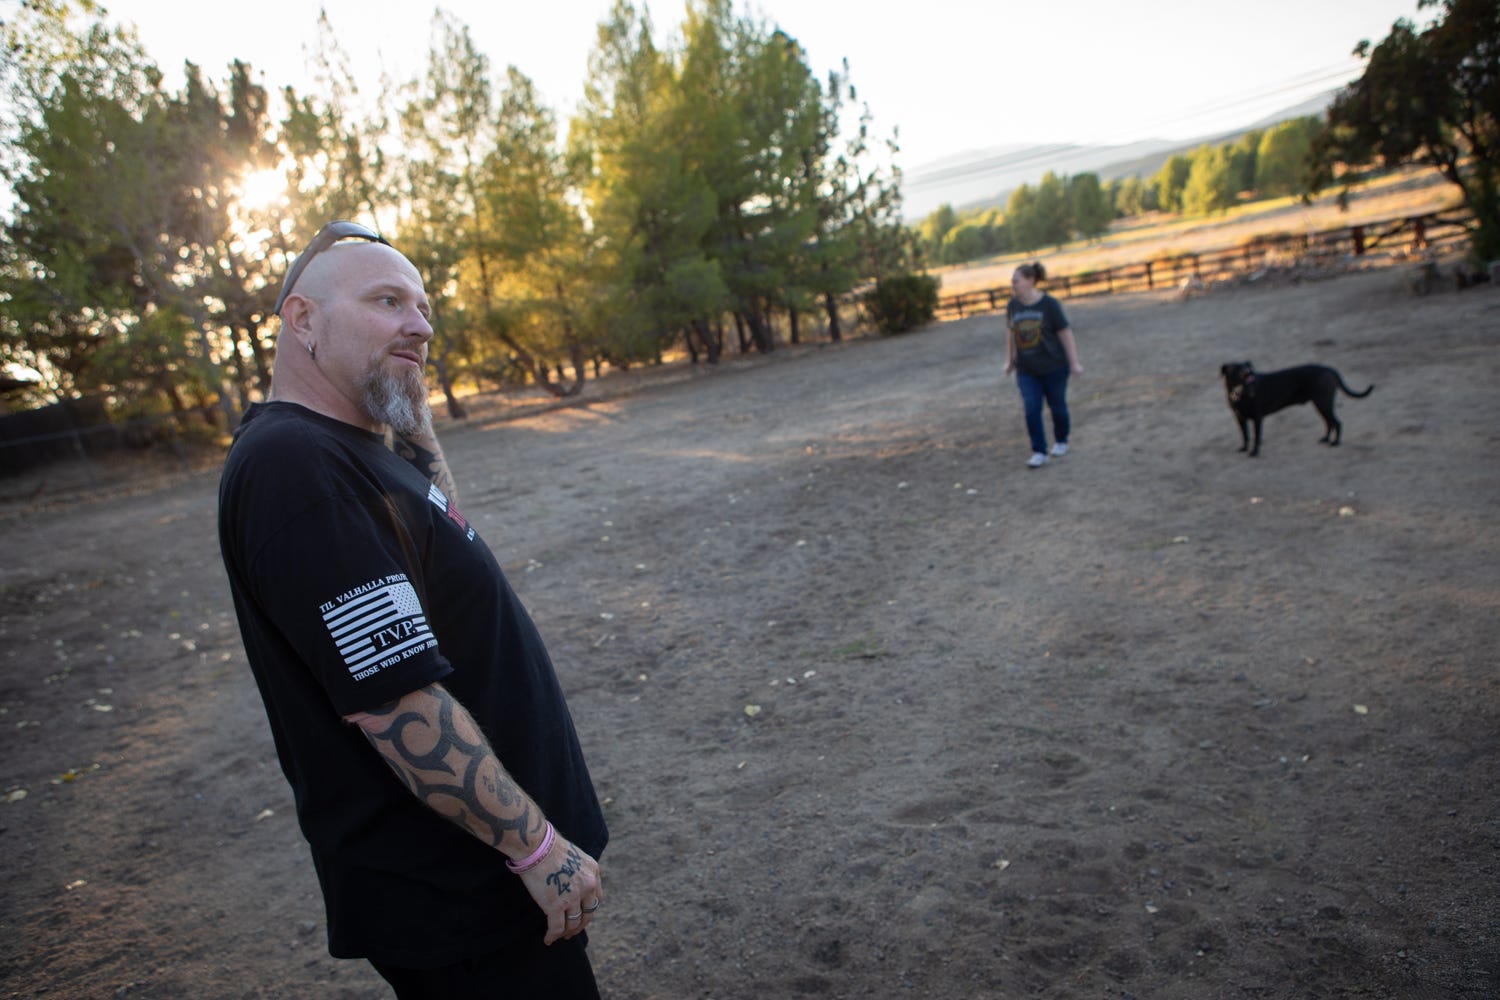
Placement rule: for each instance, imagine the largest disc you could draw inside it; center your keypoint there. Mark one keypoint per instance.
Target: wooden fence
(81, 429)
(1414, 233)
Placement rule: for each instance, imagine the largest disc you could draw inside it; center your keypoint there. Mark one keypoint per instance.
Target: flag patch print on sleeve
(377, 625)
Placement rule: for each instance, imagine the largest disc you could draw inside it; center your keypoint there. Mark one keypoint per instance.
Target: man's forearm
(434, 746)
(436, 749)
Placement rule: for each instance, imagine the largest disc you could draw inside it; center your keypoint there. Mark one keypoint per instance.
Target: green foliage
(933, 230)
(967, 241)
(1170, 181)
(126, 268)
(1130, 197)
(1054, 221)
(1210, 185)
(902, 302)
(1241, 156)
(725, 161)
(1089, 208)
(1023, 219)
(1429, 96)
(1281, 163)
(716, 180)
(1056, 210)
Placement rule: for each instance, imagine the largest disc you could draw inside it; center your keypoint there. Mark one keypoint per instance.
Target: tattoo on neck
(428, 462)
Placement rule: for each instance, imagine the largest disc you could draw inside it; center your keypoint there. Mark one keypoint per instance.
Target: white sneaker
(1060, 449)
(1037, 460)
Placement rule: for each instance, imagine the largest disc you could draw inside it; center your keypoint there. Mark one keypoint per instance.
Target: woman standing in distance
(1039, 348)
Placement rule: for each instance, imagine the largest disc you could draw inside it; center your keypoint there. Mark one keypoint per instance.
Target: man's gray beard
(397, 400)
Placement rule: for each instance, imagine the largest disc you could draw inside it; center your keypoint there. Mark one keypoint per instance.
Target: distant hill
(985, 177)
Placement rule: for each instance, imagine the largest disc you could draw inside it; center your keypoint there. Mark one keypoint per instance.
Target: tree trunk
(713, 346)
(262, 363)
(456, 410)
(796, 333)
(537, 369)
(831, 304)
(760, 330)
(580, 367)
(739, 331)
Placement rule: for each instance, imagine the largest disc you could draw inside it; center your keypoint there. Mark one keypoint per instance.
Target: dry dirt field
(877, 711)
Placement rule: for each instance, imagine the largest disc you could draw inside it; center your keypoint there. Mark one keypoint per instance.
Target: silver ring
(573, 916)
(589, 909)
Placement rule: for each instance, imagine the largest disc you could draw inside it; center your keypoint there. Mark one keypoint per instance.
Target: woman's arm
(1065, 337)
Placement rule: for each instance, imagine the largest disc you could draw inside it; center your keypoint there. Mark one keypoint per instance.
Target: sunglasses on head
(330, 234)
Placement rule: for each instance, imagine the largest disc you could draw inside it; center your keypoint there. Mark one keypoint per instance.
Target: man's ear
(296, 319)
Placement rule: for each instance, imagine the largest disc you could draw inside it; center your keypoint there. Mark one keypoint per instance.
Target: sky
(950, 76)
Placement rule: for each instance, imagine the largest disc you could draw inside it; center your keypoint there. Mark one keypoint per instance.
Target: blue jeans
(1053, 388)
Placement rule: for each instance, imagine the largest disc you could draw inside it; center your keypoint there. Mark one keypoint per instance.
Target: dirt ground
(875, 710)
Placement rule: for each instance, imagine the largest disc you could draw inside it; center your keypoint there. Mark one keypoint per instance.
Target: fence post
(88, 464)
(1359, 241)
(1150, 284)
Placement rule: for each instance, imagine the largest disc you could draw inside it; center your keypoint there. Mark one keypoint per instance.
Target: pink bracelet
(535, 857)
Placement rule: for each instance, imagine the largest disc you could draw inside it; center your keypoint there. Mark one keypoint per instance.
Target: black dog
(1255, 395)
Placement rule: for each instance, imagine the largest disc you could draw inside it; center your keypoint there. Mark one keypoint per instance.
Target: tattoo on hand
(562, 878)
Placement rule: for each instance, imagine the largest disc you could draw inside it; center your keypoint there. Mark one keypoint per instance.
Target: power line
(1056, 154)
(1312, 78)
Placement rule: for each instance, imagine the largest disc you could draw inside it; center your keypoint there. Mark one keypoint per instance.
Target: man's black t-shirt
(356, 581)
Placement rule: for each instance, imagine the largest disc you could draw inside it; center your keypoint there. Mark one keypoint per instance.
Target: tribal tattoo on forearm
(459, 777)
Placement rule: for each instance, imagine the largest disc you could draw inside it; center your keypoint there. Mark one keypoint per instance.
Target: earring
(312, 351)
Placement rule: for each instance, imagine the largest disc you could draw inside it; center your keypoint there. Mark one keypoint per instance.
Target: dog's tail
(1350, 392)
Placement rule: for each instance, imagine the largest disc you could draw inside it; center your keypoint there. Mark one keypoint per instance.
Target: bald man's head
(354, 333)
(344, 265)
(330, 235)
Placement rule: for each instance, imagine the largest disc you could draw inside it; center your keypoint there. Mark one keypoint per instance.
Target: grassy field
(1414, 191)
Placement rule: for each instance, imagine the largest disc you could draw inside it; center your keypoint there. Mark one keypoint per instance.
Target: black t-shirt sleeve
(324, 532)
(342, 582)
(1058, 318)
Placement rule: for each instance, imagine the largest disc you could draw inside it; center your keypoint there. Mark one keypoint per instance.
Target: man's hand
(435, 747)
(566, 886)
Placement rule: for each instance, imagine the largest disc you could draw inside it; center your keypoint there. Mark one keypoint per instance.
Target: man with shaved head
(437, 775)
